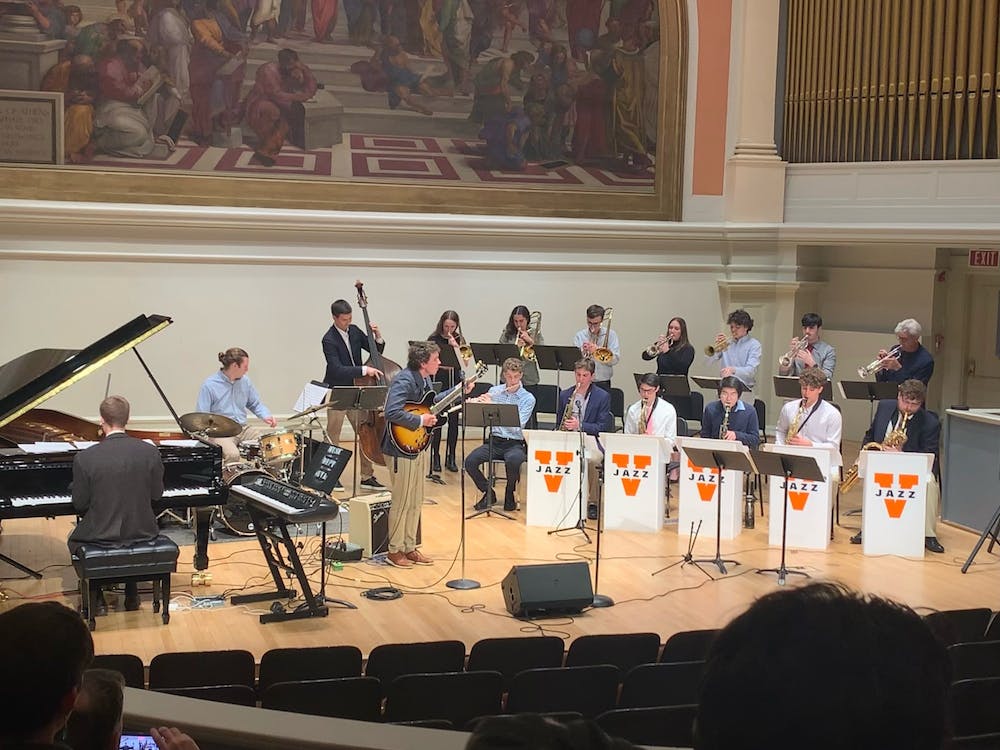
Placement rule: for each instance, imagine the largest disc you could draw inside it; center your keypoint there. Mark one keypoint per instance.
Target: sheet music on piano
(59, 446)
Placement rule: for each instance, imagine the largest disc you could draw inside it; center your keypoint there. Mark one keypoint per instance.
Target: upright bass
(371, 425)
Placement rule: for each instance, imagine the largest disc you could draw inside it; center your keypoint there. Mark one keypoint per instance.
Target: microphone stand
(600, 600)
(462, 582)
(581, 524)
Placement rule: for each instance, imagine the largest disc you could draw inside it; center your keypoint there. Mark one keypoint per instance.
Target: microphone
(579, 414)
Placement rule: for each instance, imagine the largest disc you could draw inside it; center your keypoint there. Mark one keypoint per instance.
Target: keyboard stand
(272, 533)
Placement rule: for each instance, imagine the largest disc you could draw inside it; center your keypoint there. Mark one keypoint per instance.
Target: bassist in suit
(115, 484)
(342, 346)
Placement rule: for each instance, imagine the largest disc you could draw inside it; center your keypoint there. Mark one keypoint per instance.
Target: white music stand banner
(895, 502)
(634, 481)
(809, 502)
(553, 477)
(697, 494)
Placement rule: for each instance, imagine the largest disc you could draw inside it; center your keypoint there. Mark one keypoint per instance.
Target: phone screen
(137, 742)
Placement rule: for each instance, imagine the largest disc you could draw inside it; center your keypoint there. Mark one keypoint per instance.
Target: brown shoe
(399, 560)
(419, 558)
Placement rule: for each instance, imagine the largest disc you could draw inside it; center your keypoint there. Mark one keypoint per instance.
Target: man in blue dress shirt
(230, 393)
(508, 442)
(741, 357)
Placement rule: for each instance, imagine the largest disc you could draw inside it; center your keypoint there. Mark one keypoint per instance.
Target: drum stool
(152, 560)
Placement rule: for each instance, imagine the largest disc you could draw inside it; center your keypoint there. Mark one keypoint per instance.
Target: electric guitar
(412, 442)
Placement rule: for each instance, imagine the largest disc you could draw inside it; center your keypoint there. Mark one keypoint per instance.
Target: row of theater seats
(632, 686)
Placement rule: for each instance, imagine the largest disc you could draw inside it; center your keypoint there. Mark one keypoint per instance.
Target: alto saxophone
(568, 411)
(793, 428)
(724, 427)
(895, 439)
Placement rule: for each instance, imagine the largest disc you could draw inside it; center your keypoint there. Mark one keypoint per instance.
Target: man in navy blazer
(115, 484)
(923, 433)
(595, 405)
(342, 346)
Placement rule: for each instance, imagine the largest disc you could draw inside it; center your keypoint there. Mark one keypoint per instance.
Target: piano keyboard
(33, 500)
(285, 501)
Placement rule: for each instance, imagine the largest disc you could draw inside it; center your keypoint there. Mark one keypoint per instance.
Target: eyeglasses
(647, 391)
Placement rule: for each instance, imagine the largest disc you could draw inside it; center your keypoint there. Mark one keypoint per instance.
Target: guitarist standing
(508, 442)
(342, 346)
(407, 472)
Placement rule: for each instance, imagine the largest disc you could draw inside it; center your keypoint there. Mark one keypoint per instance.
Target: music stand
(863, 390)
(566, 359)
(490, 415)
(786, 465)
(788, 386)
(990, 532)
(722, 459)
(357, 398)
(495, 354)
(710, 383)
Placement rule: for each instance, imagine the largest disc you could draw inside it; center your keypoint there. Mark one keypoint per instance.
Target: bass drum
(234, 513)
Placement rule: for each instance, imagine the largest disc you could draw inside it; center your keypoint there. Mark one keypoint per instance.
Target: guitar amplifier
(368, 523)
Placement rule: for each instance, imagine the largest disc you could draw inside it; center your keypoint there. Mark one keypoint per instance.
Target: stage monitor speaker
(549, 589)
(368, 523)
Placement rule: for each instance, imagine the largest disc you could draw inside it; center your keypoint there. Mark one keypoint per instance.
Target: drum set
(274, 454)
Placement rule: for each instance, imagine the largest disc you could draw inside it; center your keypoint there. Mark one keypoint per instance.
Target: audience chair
(237, 695)
(664, 684)
(563, 717)
(357, 698)
(317, 663)
(993, 630)
(589, 690)
(670, 726)
(618, 409)
(128, 665)
(390, 660)
(625, 650)
(457, 697)
(974, 707)
(508, 656)
(976, 742)
(960, 625)
(688, 645)
(153, 560)
(973, 660)
(427, 724)
(201, 669)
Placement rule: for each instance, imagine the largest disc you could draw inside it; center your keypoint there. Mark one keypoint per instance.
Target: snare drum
(234, 513)
(277, 447)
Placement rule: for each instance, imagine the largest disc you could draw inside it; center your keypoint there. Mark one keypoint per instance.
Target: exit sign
(981, 257)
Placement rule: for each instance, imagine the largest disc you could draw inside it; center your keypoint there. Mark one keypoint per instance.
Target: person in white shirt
(593, 337)
(817, 422)
(651, 415)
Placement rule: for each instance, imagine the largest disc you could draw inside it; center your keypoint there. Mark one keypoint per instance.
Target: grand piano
(37, 485)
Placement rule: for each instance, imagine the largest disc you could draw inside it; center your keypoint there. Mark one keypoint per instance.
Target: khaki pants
(933, 499)
(230, 445)
(334, 425)
(406, 478)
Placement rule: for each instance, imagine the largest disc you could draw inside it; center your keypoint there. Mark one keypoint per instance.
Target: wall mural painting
(566, 97)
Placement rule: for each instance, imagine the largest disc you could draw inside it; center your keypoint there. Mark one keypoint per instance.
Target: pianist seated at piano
(115, 484)
(230, 392)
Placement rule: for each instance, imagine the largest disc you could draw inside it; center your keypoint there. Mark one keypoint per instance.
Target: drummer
(230, 393)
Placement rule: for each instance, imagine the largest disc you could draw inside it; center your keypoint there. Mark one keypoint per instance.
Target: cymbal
(210, 425)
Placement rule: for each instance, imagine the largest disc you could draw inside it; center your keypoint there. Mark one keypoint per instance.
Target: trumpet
(785, 360)
(527, 352)
(602, 354)
(877, 364)
(653, 349)
(712, 349)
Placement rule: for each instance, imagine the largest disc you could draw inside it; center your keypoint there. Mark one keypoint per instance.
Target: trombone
(879, 362)
(712, 349)
(527, 351)
(464, 350)
(602, 354)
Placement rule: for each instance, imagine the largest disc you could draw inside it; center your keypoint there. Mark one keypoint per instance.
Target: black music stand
(490, 415)
(566, 358)
(788, 386)
(864, 390)
(786, 465)
(991, 532)
(710, 383)
(722, 459)
(495, 354)
(357, 398)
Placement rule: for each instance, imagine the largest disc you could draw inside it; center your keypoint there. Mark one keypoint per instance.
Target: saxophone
(793, 428)
(568, 411)
(724, 427)
(895, 439)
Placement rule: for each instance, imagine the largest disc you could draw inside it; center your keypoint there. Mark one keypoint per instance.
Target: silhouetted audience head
(823, 667)
(535, 732)
(96, 721)
(44, 650)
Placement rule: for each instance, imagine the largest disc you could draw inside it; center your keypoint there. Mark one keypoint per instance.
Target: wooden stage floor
(682, 597)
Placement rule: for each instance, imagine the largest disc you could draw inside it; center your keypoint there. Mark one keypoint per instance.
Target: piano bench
(153, 560)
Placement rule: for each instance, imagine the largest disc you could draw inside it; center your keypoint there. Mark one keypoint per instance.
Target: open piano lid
(32, 378)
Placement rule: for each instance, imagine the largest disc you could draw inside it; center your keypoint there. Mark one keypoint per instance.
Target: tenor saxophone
(568, 411)
(793, 428)
(895, 439)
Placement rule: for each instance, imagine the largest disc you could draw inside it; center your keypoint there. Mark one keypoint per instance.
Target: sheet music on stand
(670, 385)
(313, 393)
(864, 390)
